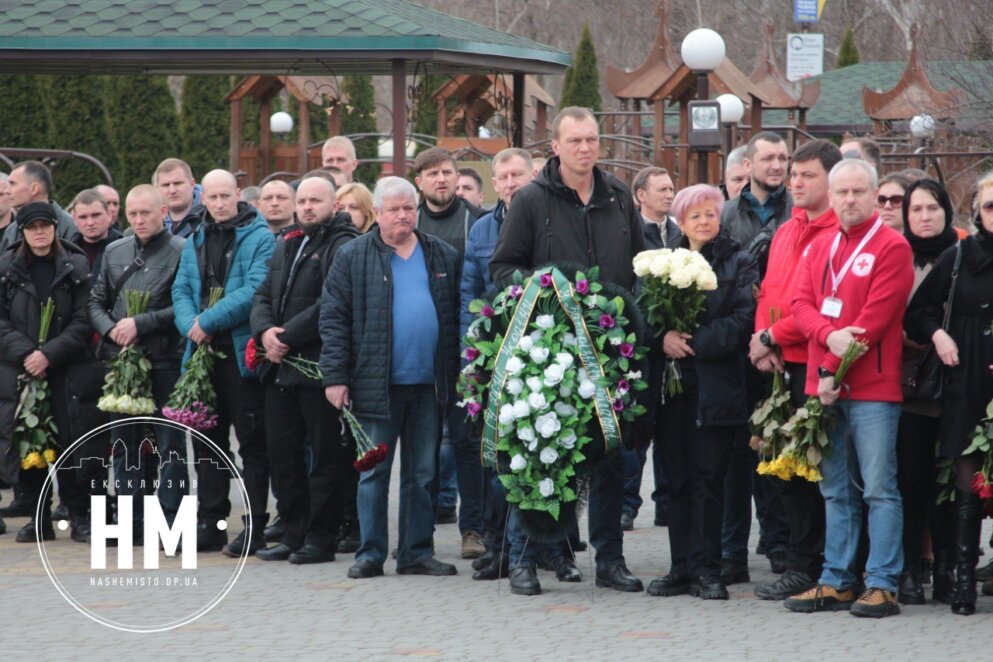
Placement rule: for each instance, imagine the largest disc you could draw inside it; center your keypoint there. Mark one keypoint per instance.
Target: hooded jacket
(291, 299)
(246, 267)
(549, 224)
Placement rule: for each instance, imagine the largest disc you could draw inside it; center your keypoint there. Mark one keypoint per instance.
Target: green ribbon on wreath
(585, 348)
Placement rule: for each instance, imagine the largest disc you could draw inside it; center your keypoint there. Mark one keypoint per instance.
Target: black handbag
(923, 373)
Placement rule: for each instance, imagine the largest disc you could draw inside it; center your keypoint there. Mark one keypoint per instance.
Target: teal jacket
(247, 268)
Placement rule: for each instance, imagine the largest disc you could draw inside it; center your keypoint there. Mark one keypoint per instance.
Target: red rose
(978, 482)
(252, 359)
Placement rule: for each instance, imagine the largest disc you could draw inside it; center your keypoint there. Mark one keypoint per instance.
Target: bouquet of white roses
(127, 389)
(672, 285)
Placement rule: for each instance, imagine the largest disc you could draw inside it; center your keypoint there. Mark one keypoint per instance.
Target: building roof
(275, 37)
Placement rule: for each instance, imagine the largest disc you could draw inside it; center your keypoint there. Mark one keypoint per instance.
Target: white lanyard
(836, 278)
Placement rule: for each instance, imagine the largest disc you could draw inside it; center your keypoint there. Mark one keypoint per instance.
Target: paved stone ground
(281, 611)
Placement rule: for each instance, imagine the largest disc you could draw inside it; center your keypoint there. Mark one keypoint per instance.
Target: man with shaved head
(230, 250)
(285, 317)
(276, 202)
(145, 260)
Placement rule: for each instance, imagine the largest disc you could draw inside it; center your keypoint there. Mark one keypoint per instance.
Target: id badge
(831, 307)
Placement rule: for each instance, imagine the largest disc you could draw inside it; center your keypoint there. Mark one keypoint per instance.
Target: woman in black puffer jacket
(32, 271)
(697, 427)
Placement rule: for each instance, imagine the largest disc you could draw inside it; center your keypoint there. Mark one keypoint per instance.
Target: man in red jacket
(781, 345)
(853, 286)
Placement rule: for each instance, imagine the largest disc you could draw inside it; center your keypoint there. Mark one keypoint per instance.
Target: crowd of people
(812, 251)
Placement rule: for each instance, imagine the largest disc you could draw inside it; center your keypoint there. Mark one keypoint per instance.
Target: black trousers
(802, 501)
(310, 506)
(239, 403)
(917, 435)
(696, 460)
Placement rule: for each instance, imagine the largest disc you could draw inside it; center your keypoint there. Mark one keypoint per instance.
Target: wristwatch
(765, 338)
(823, 372)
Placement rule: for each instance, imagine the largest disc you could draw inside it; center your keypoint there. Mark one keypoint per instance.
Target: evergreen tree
(25, 122)
(583, 85)
(848, 52)
(205, 123)
(359, 116)
(566, 85)
(76, 121)
(143, 126)
(981, 48)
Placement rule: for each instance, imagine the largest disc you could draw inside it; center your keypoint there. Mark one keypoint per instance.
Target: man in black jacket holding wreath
(284, 320)
(574, 212)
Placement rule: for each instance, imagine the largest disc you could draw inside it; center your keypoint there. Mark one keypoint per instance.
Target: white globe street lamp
(281, 123)
(922, 126)
(702, 50)
(732, 108)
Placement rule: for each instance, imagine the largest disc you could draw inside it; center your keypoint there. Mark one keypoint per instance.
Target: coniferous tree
(205, 123)
(584, 82)
(25, 122)
(848, 52)
(359, 116)
(143, 126)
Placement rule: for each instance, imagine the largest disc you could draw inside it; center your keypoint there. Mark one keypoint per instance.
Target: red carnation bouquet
(255, 355)
(369, 453)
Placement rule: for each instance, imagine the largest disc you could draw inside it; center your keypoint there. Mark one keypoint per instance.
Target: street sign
(807, 11)
(804, 55)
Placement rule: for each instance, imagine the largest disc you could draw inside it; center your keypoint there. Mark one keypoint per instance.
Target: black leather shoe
(985, 573)
(80, 528)
(349, 538)
(365, 569)
(275, 531)
(793, 582)
(236, 547)
(578, 545)
(278, 552)
(18, 508)
(627, 521)
(734, 572)
(493, 570)
(61, 512)
(311, 553)
(429, 566)
(483, 561)
(445, 516)
(619, 578)
(27, 532)
(661, 517)
(911, 592)
(3, 526)
(777, 562)
(708, 588)
(566, 570)
(675, 583)
(524, 581)
(211, 539)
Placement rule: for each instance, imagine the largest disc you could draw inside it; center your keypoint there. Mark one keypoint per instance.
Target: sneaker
(472, 545)
(876, 603)
(627, 521)
(792, 582)
(821, 598)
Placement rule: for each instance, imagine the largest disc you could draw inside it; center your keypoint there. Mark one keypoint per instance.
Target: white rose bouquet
(673, 282)
(127, 388)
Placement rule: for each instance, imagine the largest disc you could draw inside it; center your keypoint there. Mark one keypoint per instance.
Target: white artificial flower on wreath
(591, 301)
(546, 487)
(633, 375)
(526, 343)
(532, 445)
(537, 401)
(569, 339)
(518, 463)
(545, 321)
(506, 416)
(514, 365)
(547, 425)
(515, 386)
(526, 434)
(568, 440)
(539, 354)
(548, 455)
(534, 382)
(521, 409)
(565, 391)
(554, 374)
(587, 389)
(616, 340)
(564, 410)
(564, 359)
(536, 335)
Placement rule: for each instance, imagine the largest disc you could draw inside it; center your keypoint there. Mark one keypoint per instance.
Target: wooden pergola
(783, 94)
(272, 38)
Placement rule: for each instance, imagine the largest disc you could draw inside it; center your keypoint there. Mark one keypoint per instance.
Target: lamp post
(281, 123)
(732, 110)
(702, 51)
(923, 128)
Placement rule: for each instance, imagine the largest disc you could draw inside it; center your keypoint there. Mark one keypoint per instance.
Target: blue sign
(805, 11)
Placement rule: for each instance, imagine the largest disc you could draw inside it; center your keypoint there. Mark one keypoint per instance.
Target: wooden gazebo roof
(783, 93)
(481, 96)
(309, 89)
(725, 79)
(658, 65)
(913, 94)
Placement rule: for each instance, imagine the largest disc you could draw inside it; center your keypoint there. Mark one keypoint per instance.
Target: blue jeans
(524, 552)
(174, 478)
(414, 417)
(634, 467)
(863, 443)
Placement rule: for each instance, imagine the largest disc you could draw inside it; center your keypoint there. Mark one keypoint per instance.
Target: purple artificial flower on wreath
(471, 353)
(546, 280)
(618, 404)
(607, 321)
(487, 311)
(627, 350)
(623, 386)
(583, 287)
(473, 408)
(516, 291)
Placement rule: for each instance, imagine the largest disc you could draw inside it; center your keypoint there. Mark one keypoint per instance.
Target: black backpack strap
(130, 270)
